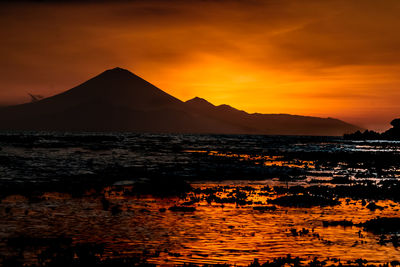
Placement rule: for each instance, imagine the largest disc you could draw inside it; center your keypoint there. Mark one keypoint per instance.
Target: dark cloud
(364, 33)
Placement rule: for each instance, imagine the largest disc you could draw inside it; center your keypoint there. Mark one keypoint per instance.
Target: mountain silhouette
(118, 100)
(278, 124)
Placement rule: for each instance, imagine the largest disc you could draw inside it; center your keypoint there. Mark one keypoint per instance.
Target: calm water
(213, 233)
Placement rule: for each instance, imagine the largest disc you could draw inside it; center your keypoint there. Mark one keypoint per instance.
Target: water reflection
(215, 232)
(233, 220)
(265, 160)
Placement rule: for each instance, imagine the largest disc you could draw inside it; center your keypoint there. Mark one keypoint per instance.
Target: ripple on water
(211, 234)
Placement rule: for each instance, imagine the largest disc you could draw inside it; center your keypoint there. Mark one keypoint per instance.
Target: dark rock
(383, 225)
(182, 209)
(372, 206)
(304, 201)
(116, 210)
(105, 203)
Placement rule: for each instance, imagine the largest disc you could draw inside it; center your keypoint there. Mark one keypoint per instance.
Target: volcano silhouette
(118, 100)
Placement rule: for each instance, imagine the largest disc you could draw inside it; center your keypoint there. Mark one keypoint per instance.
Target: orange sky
(324, 58)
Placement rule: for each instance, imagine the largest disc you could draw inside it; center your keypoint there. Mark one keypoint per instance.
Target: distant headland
(391, 134)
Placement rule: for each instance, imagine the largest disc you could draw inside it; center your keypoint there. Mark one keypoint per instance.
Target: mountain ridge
(119, 100)
(198, 99)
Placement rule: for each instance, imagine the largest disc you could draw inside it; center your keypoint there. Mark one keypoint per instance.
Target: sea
(116, 193)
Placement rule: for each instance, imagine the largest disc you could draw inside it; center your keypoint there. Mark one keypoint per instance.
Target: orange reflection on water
(213, 233)
(266, 160)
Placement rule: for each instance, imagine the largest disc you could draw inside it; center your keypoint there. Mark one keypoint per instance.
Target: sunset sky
(321, 58)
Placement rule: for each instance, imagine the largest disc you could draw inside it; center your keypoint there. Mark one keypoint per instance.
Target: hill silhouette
(391, 134)
(118, 100)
